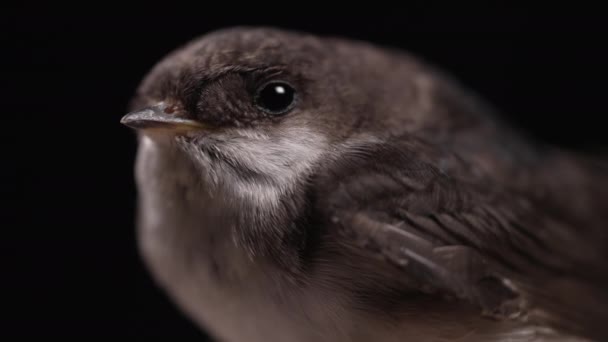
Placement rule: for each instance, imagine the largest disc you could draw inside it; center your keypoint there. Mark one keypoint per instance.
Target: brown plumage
(296, 188)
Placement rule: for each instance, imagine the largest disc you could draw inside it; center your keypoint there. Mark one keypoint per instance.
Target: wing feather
(489, 241)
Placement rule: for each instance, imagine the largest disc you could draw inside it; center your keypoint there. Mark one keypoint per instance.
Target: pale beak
(160, 117)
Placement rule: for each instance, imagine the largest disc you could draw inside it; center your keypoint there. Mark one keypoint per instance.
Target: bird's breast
(185, 238)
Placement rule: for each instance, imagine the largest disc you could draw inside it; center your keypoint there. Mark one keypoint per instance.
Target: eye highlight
(275, 97)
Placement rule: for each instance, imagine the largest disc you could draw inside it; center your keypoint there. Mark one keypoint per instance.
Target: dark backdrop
(71, 267)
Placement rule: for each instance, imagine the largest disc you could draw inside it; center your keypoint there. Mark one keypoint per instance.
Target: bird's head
(261, 111)
(267, 104)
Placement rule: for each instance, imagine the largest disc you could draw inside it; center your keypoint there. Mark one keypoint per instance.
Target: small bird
(293, 187)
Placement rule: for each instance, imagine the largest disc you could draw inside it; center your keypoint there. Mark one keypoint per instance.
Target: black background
(71, 267)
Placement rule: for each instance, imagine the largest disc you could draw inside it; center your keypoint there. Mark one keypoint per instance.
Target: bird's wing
(512, 253)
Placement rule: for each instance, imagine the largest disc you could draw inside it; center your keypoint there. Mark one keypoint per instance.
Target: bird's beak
(161, 117)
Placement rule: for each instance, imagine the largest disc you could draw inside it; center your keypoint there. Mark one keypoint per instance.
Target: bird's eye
(276, 98)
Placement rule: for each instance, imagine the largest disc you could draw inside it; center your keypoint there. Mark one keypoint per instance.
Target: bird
(302, 187)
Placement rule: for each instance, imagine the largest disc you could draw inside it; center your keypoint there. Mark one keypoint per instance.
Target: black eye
(276, 97)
